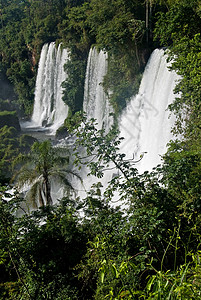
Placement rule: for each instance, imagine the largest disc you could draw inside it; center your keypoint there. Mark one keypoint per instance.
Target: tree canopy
(147, 246)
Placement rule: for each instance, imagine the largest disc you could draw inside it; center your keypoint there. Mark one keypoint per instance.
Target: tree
(162, 219)
(37, 260)
(179, 29)
(40, 166)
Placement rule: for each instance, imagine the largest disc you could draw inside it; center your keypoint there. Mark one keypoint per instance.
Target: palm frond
(44, 161)
(62, 178)
(65, 171)
(26, 176)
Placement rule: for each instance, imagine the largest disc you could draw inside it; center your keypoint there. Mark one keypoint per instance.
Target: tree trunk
(47, 191)
(41, 200)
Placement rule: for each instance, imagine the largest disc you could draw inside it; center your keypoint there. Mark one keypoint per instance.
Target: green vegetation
(9, 117)
(12, 144)
(25, 27)
(147, 247)
(41, 166)
(119, 28)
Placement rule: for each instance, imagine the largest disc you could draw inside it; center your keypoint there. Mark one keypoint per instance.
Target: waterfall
(146, 123)
(49, 109)
(96, 102)
(95, 105)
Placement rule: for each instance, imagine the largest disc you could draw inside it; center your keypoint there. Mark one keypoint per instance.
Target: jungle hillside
(147, 246)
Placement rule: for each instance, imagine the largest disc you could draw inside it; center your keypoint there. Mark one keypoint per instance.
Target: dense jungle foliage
(147, 246)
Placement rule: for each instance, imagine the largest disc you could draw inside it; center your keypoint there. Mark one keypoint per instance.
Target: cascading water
(95, 105)
(49, 109)
(146, 123)
(96, 102)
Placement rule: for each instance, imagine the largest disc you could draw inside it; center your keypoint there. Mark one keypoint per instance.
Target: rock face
(10, 119)
(6, 88)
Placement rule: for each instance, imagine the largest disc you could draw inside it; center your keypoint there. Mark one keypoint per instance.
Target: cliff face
(6, 88)
(10, 119)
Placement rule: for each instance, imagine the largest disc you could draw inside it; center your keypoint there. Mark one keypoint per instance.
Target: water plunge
(96, 101)
(146, 123)
(49, 109)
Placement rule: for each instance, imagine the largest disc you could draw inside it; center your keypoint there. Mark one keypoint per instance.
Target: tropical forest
(83, 215)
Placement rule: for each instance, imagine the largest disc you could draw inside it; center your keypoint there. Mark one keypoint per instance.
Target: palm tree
(43, 164)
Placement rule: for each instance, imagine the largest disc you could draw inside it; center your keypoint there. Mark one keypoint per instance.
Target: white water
(95, 105)
(49, 109)
(96, 102)
(146, 123)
